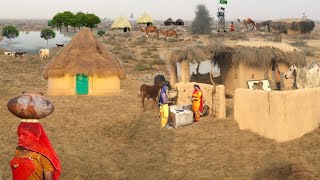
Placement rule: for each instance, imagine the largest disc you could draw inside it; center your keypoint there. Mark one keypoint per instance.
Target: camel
(304, 78)
(246, 22)
(169, 33)
(149, 29)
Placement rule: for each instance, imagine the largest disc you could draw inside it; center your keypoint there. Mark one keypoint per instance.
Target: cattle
(21, 54)
(305, 78)
(149, 92)
(60, 45)
(9, 53)
(44, 53)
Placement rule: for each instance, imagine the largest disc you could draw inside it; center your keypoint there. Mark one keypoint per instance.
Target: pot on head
(30, 105)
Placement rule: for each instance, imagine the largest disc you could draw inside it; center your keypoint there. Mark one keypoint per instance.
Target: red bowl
(30, 105)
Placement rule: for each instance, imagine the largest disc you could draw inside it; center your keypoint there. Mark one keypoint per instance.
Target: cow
(44, 53)
(9, 53)
(21, 54)
(149, 92)
(305, 78)
(60, 45)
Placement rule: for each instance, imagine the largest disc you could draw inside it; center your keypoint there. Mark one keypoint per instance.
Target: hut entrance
(125, 29)
(82, 86)
(149, 24)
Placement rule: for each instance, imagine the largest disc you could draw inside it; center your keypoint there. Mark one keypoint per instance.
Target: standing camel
(149, 29)
(246, 22)
(169, 33)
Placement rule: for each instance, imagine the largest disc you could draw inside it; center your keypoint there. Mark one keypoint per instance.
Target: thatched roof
(144, 19)
(84, 55)
(191, 53)
(168, 21)
(256, 53)
(179, 20)
(121, 23)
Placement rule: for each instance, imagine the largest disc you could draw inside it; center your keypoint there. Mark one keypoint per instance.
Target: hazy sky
(160, 9)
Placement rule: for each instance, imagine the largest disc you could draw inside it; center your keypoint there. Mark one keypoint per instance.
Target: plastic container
(30, 105)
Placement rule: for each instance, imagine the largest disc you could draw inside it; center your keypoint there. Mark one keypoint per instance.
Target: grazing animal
(169, 33)
(60, 45)
(44, 53)
(21, 54)
(10, 53)
(150, 29)
(149, 92)
(257, 85)
(305, 78)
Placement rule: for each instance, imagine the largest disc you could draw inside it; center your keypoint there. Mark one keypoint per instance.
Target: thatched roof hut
(179, 22)
(121, 23)
(145, 19)
(243, 61)
(169, 22)
(292, 26)
(84, 56)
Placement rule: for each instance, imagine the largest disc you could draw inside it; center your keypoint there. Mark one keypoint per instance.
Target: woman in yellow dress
(197, 102)
(164, 105)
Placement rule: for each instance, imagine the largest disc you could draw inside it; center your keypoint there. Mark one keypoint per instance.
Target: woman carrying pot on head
(164, 104)
(197, 102)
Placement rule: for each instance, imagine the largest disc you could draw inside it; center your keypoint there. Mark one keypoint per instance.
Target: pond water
(203, 69)
(31, 42)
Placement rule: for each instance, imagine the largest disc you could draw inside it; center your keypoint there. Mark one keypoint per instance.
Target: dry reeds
(84, 55)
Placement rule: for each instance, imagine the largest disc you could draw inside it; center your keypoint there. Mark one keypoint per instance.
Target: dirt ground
(111, 138)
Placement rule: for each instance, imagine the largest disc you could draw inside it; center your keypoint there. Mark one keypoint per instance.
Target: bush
(101, 32)
(299, 43)
(159, 62)
(143, 67)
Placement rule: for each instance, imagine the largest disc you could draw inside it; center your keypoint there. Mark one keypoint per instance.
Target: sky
(160, 9)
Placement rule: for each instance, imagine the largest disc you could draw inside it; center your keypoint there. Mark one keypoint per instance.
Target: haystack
(169, 22)
(179, 22)
(145, 19)
(254, 60)
(85, 67)
(122, 24)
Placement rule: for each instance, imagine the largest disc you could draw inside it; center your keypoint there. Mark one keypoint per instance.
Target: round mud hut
(145, 19)
(179, 22)
(122, 24)
(254, 60)
(169, 22)
(84, 67)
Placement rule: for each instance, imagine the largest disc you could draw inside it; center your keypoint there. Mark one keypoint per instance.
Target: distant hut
(254, 61)
(179, 22)
(122, 24)
(145, 19)
(292, 26)
(84, 67)
(239, 63)
(169, 22)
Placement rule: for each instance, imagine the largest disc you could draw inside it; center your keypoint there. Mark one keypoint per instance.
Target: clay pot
(30, 105)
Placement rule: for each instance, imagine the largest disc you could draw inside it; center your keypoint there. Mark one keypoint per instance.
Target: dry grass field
(111, 138)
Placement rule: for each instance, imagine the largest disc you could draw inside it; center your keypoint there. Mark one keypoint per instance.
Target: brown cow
(149, 92)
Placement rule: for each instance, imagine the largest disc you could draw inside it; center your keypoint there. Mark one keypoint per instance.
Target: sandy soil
(96, 139)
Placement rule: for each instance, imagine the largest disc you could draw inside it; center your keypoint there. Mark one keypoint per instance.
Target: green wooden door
(82, 86)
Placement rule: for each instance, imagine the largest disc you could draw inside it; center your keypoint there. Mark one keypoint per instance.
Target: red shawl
(201, 97)
(33, 137)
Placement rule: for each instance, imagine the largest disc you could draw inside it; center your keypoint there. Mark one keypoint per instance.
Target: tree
(80, 19)
(47, 34)
(67, 19)
(10, 32)
(92, 21)
(202, 22)
(57, 20)
(101, 32)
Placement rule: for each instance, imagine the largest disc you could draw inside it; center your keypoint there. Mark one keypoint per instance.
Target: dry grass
(96, 139)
